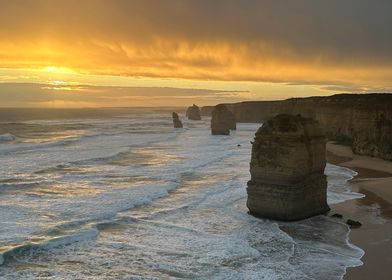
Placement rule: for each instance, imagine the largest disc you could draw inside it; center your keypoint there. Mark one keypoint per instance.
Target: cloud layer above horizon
(335, 45)
(59, 95)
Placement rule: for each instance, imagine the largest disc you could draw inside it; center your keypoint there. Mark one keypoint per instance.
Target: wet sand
(374, 211)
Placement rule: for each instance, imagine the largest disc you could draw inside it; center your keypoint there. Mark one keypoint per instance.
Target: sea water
(126, 196)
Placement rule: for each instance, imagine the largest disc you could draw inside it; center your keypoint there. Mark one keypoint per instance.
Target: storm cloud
(309, 42)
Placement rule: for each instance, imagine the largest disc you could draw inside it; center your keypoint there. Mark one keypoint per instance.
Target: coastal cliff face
(363, 121)
(193, 113)
(287, 170)
(222, 120)
(374, 136)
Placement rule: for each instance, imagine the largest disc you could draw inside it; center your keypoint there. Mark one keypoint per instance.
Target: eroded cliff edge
(363, 121)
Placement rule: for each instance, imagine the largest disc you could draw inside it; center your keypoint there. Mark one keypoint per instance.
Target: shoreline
(374, 211)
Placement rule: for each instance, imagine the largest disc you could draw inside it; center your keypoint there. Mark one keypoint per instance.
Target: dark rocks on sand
(339, 216)
(353, 223)
(287, 170)
(222, 120)
(176, 121)
(193, 113)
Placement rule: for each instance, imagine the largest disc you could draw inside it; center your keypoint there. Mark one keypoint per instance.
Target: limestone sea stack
(287, 169)
(193, 113)
(176, 121)
(222, 120)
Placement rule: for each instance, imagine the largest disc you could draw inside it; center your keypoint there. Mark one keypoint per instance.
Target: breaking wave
(132, 197)
(7, 137)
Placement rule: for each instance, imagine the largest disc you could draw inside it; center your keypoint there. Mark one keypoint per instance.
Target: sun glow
(63, 86)
(58, 70)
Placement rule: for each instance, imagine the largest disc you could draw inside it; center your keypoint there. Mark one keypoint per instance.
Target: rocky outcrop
(287, 170)
(193, 113)
(206, 110)
(353, 224)
(222, 120)
(176, 121)
(363, 121)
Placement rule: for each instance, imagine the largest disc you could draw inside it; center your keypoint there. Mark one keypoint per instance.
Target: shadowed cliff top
(378, 99)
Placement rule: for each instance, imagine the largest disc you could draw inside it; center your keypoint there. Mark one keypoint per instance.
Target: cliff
(287, 169)
(363, 121)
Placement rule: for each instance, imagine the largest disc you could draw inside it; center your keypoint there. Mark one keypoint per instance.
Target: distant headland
(362, 121)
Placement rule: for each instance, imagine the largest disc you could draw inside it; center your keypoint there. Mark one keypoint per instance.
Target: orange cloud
(331, 44)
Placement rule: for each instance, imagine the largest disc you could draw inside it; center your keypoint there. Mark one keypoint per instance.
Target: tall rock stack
(193, 113)
(176, 121)
(287, 170)
(222, 120)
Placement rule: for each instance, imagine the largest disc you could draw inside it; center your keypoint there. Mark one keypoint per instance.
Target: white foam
(48, 243)
(194, 222)
(338, 189)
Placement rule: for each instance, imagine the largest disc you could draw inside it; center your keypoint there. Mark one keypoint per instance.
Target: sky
(110, 53)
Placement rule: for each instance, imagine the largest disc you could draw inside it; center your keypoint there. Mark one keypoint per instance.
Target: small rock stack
(176, 121)
(287, 170)
(222, 120)
(193, 113)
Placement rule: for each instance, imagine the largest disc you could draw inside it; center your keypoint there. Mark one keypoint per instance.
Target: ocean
(121, 194)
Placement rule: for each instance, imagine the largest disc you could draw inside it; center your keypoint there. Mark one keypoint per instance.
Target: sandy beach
(374, 211)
